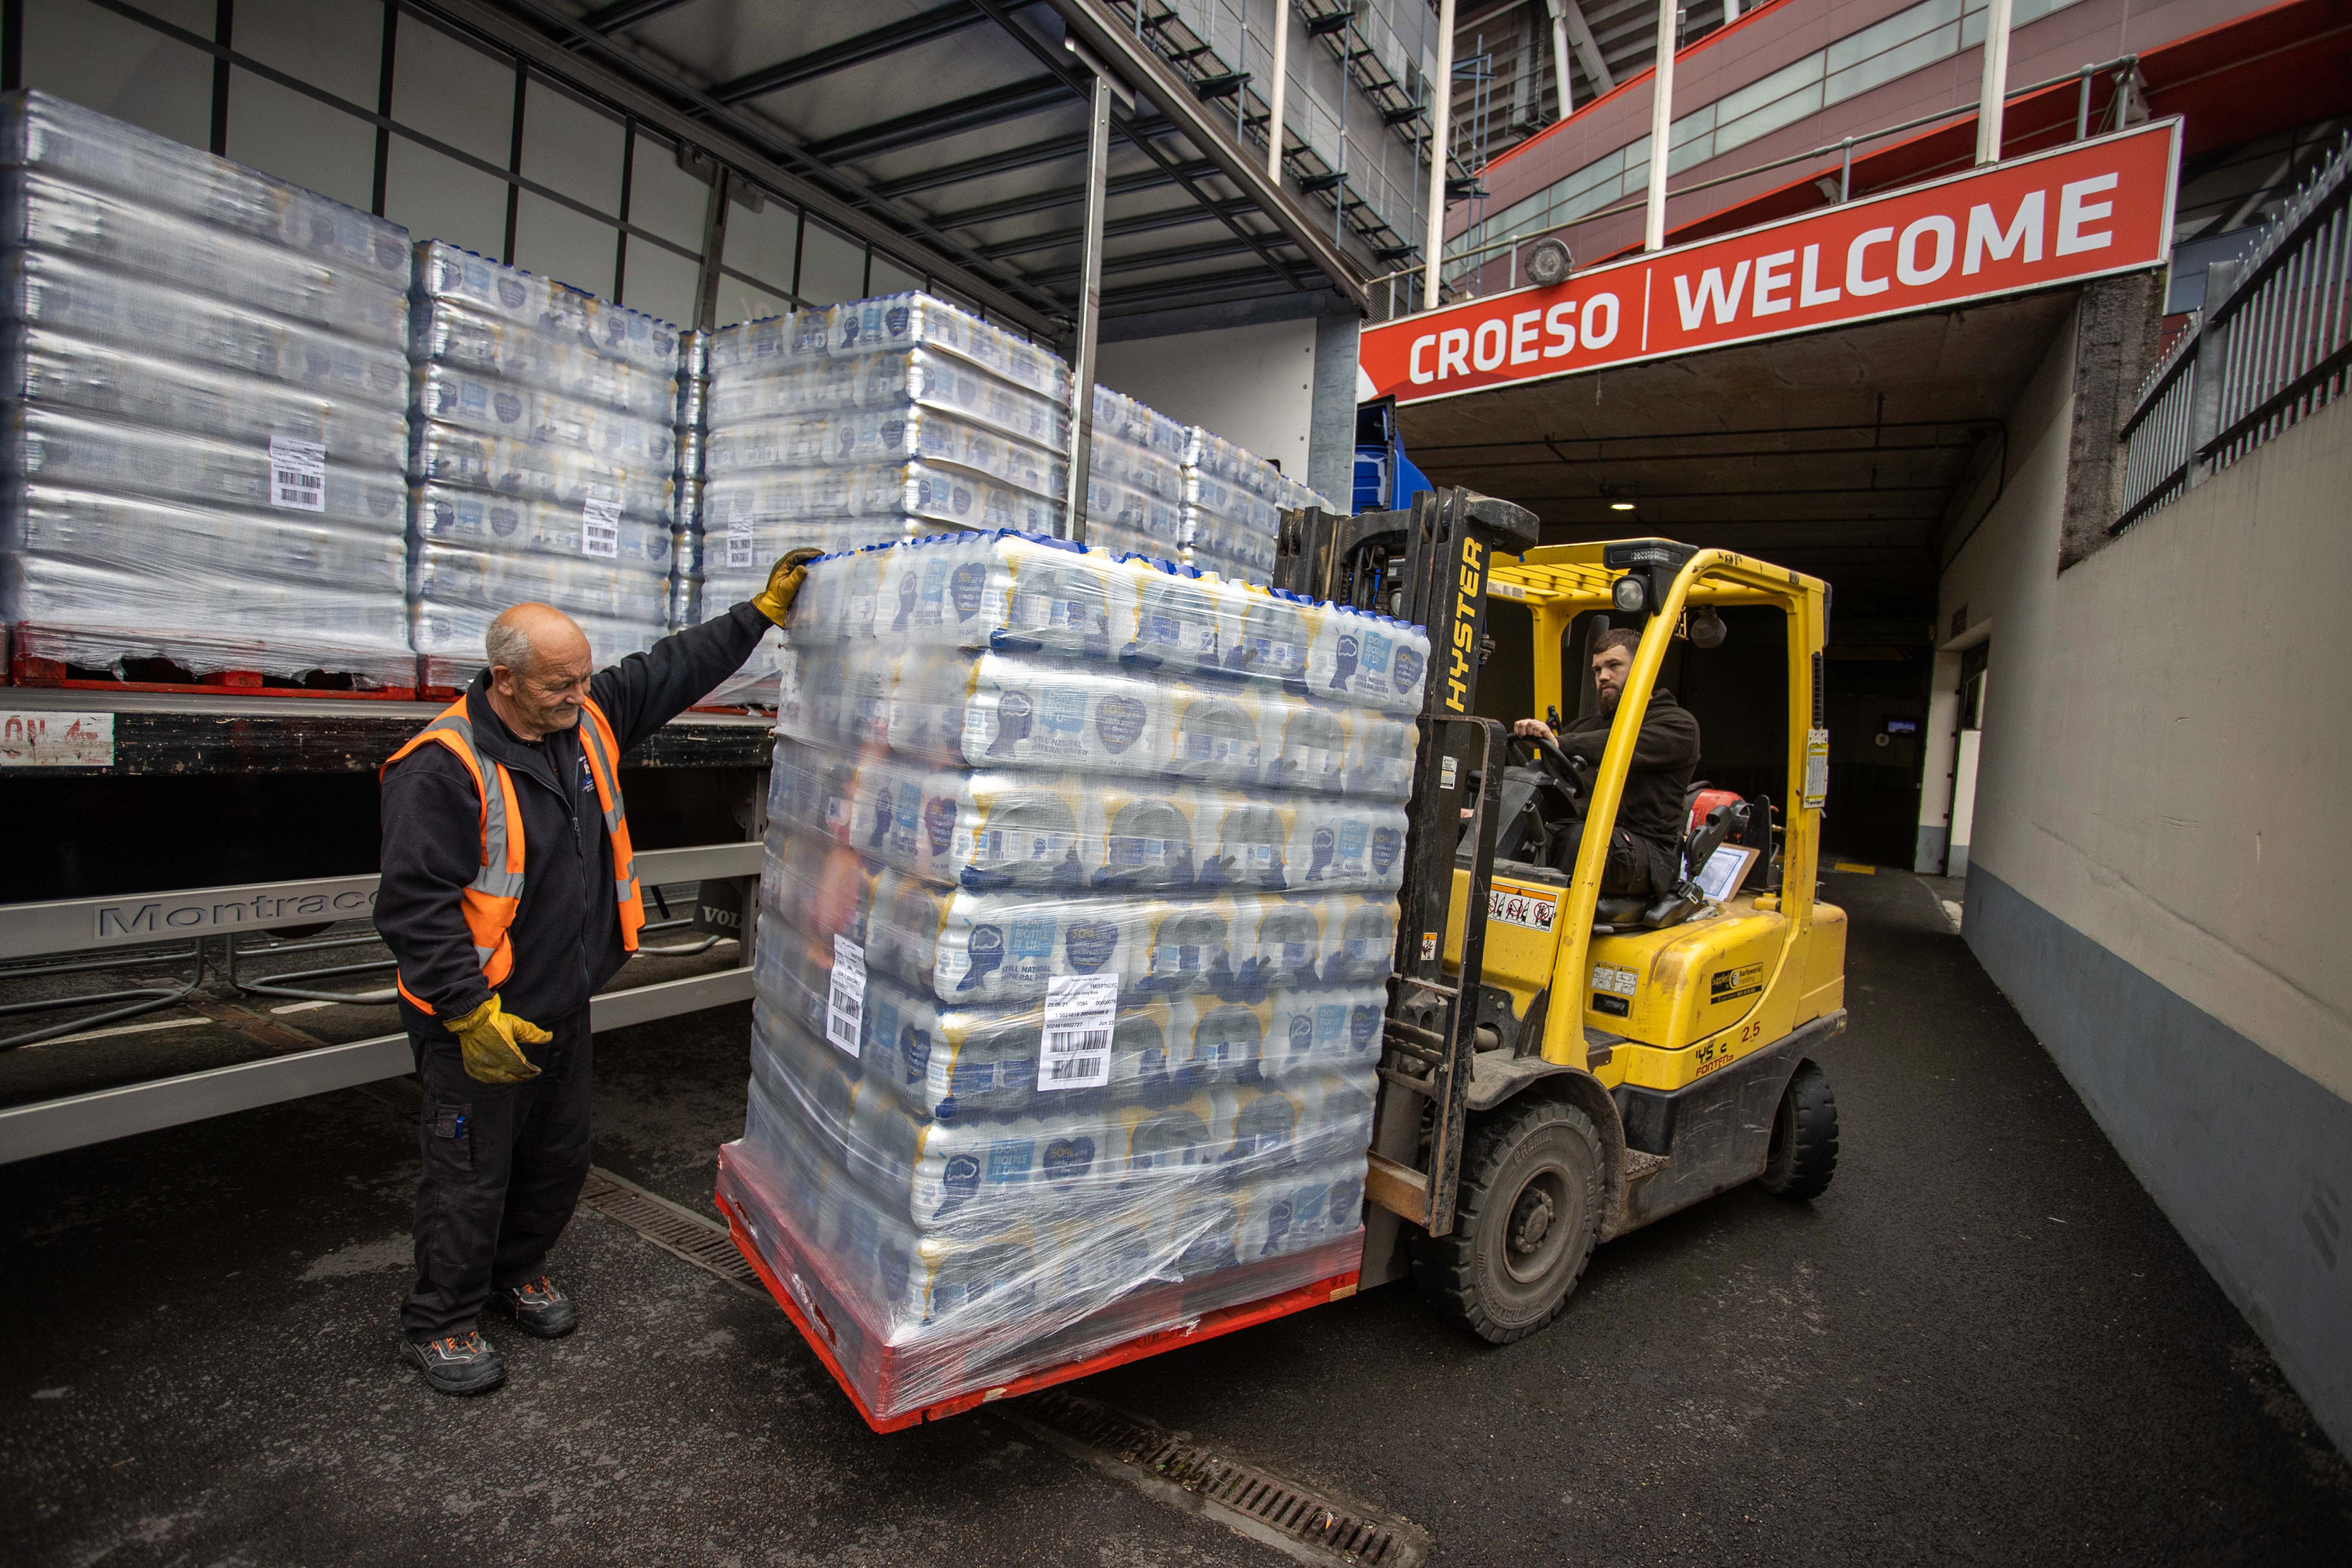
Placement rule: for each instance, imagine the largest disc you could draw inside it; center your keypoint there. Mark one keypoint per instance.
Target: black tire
(1804, 1149)
(1524, 1223)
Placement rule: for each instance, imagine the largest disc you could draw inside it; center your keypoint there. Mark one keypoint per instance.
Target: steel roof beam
(1176, 255)
(1197, 290)
(994, 107)
(1051, 150)
(1180, 108)
(1142, 223)
(1068, 197)
(1103, 32)
(626, 13)
(559, 44)
(939, 22)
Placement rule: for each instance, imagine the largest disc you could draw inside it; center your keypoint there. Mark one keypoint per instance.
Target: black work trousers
(1635, 868)
(504, 1165)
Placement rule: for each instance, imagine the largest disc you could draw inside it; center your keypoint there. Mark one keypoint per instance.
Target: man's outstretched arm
(647, 690)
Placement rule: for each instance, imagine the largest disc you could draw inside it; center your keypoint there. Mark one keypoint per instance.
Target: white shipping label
(1817, 768)
(1080, 1013)
(738, 540)
(600, 527)
(844, 1013)
(298, 474)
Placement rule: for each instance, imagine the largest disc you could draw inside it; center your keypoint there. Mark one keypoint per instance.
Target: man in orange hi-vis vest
(508, 898)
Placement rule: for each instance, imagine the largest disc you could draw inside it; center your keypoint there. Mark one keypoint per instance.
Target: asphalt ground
(1984, 1344)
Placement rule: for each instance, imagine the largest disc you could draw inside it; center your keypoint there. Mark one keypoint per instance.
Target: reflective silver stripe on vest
(494, 880)
(626, 882)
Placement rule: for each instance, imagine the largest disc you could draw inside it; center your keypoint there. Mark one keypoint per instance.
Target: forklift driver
(1645, 851)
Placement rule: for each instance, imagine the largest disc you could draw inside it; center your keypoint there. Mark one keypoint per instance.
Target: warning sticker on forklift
(1615, 979)
(1731, 984)
(1522, 907)
(1817, 768)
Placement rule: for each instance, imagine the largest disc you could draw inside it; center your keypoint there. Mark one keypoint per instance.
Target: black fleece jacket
(1665, 753)
(567, 931)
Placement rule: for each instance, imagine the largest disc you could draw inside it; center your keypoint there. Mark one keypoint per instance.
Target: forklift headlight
(1706, 627)
(1628, 595)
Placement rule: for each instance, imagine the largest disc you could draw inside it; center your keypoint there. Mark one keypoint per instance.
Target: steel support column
(1441, 130)
(1089, 301)
(1661, 129)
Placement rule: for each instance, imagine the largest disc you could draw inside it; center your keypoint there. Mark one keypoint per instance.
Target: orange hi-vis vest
(491, 900)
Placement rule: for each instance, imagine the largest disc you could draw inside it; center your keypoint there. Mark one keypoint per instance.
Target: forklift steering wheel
(1555, 763)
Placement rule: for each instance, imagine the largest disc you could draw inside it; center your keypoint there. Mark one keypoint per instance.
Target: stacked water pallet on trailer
(1135, 479)
(875, 420)
(1079, 905)
(208, 390)
(543, 460)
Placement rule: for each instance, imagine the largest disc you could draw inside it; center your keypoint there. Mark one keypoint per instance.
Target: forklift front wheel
(1803, 1155)
(1524, 1221)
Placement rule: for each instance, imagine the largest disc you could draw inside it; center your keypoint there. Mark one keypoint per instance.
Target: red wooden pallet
(820, 1311)
(57, 675)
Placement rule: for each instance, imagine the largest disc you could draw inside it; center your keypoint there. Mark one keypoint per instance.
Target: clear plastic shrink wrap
(1078, 904)
(693, 429)
(207, 410)
(1233, 504)
(543, 460)
(866, 422)
(1135, 479)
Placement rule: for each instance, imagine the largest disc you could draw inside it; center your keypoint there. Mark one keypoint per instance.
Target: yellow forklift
(1560, 1067)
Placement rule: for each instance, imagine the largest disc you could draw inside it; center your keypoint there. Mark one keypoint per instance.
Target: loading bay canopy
(1740, 396)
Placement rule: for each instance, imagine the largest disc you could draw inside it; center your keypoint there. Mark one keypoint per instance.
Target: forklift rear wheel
(1524, 1221)
(1803, 1156)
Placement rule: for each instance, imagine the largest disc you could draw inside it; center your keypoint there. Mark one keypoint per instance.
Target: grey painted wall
(2252, 1160)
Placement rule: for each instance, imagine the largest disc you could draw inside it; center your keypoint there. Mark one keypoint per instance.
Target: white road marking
(121, 1029)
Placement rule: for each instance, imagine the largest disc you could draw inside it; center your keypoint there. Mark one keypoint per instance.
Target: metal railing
(2273, 346)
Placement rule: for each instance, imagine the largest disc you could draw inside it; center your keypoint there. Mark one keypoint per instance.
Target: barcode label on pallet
(298, 474)
(1081, 1011)
(600, 527)
(738, 540)
(845, 1012)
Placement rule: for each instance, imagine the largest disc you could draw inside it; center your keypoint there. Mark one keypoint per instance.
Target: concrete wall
(1254, 386)
(2154, 877)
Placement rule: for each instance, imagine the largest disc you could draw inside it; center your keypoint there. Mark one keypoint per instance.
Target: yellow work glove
(775, 600)
(493, 1039)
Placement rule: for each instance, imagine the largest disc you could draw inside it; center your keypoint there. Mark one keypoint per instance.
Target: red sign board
(2083, 211)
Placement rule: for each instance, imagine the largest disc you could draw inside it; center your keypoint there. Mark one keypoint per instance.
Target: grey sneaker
(460, 1363)
(538, 1308)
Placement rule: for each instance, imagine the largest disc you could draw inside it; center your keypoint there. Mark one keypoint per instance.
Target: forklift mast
(1427, 564)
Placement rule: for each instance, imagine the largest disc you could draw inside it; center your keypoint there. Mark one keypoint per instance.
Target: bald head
(540, 665)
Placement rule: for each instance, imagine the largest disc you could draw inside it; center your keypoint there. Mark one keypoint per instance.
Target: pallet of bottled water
(1078, 903)
(1135, 479)
(207, 400)
(1233, 506)
(545, 460)
(866, 422)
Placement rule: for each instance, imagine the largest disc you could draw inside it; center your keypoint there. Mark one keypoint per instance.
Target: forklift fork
(1427, 564)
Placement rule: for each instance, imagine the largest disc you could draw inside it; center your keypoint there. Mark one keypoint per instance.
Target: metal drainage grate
(1283, 1514)
(701, 1242)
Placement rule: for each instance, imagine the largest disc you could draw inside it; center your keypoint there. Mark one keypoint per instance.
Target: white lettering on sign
(298, 474)
(2085, 210)
(56, 740)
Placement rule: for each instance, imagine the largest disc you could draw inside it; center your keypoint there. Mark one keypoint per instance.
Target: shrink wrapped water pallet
(543, 459)
(1135, 479)
(866, 422)
(1068, 998)
(206, 388)
(1232, 503)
